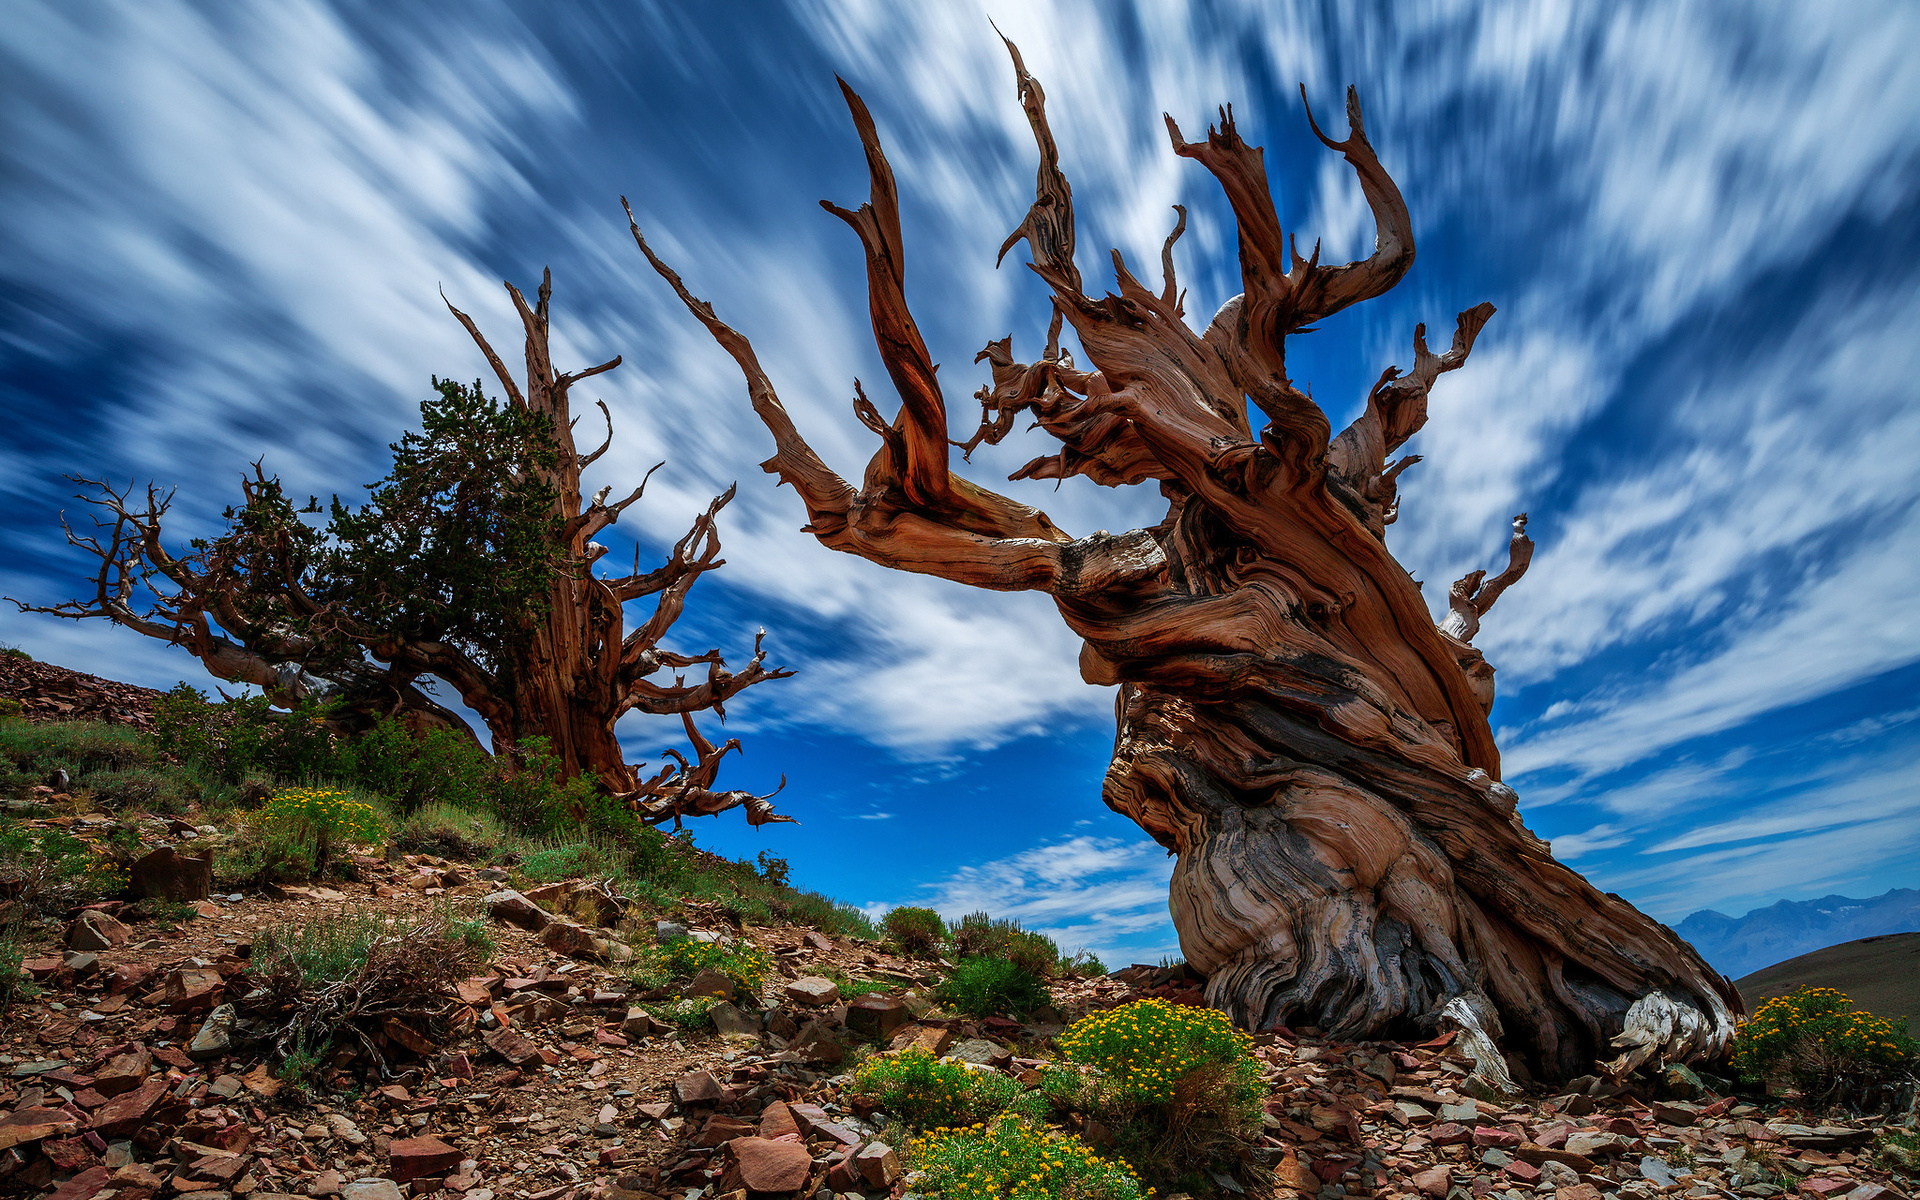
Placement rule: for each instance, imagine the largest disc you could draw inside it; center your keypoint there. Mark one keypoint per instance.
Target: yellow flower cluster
(1822, 1016)
(1148, 1046)
(330, 814)
(1012, 1158)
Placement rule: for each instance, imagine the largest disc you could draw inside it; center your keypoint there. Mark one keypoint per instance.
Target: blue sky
(224, 231)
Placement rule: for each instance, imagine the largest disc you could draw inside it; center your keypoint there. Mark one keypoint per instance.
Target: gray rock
(730, 1021)
(215, 1036)
(668, 931)
(1656, 1172)
(513, 908)
(982, 1052)
(813, 991)
(372, 1189)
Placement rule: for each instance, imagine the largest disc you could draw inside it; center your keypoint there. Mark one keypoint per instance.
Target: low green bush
(988, 987)
(450, 831)
(1033, 952)
(330, 949)
(1012, 1157)
(918, 932)
(925, 1091)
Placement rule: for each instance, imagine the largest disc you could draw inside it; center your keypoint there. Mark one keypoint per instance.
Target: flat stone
(766, 1167)
(816, 1043)
(1448, 1133)
(26, 1125)
(123, 1072)
(981, 1052)
(1434, 1181)
(82, 1186)
(193, 990)
(1485, 1136)
(721, 1129)
(420, 1157)
(371, 1189)
(123, 1115)
(813, 991)
(215, 1035)
(668, 931)
(513, 908)
(1675, 1112)
(1592, 1145)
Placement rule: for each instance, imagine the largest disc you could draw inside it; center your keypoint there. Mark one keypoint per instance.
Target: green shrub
(917, 931)
(823, 913)
(987, 987)
(243, 734)
(1011, 1156)
(695, 1012)
(978, 935)
(925, 1091)
(78, 747)
(50, 868)
(150, 788)
(1818, 1041)
(1033, 952)
(11, 710)
(1178, 1085)
(1085, 964)
(327, 949)
(744, 963)
(434, 768)
(450, 831)
(553, 860)
(326, 817)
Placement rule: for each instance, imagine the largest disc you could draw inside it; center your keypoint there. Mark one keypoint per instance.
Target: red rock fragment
(759, 1165)
(418, 1157)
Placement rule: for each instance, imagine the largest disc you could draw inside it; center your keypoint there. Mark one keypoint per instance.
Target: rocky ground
(123, 1081)
(128, 1076)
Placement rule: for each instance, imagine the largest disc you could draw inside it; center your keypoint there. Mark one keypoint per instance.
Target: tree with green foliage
(471, 564)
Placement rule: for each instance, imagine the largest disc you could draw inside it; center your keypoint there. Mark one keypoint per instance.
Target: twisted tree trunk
(1291, 723)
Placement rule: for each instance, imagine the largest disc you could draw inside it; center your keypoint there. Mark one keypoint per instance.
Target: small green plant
(987, 987)
(1084, 963)
(9, 650)
(694, 1012)
(774, 869)
(1818, 1041)
(925, 1091)
(917, 931)
(1012, 1157)
(11, 710)
(322, 818)
(15, 983)
(744, 963)
(1898, 1151)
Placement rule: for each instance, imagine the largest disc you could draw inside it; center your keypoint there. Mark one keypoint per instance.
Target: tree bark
(1291, 723)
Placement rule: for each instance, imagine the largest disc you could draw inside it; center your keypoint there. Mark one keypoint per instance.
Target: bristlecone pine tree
(471, 563)
(1292, 724)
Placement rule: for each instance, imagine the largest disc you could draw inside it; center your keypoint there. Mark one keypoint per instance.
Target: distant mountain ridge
(1738, 946)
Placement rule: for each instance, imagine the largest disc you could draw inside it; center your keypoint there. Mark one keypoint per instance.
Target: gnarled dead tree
(276, 603)
(1291, 722)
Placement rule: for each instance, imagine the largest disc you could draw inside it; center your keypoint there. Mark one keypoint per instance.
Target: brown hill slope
(1880, 974)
